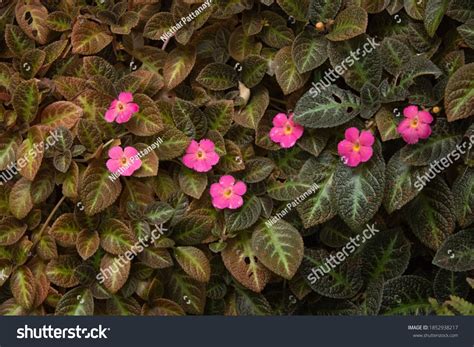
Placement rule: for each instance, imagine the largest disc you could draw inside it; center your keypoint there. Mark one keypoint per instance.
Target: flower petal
(235, 202)
(240, 188)
(226, 181)
(133, 108)
(344, 148)
(189, 160)
(424, 130)
(206, 145)
(110, 115)
(366, 153)
(366, 138)
(276, 134)
(410, 111)
(212, 158)
(352, 134)
(279, 120)
(113, 165)
(425, 117)
(410, 135)
(220, 202)
(115, 152)
(353, 159)
(216, 190)
(297, 131)
(193, 147)
(124, 116)
(125, 97)
(288, 141)
(130, 152)
(202, 166)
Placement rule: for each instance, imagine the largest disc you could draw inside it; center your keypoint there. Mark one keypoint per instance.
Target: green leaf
(178, 65)
(251, 304)
(459, 94)
(401, 183)
(254, 69)
(76, 302)
(157, 25)
(194, 262)
(349, 23)
(12, 231)
(116, 237)
(406, 295)
(258, 169)
(23, 287)
(87, 243)
(467, 32)
(332, 107)
(61, 271)
(158, 213)
(287, 74)
(359, 191)
(96, 190)
(17, 41)
(187, 292)
(241, 261)
(192, 183)
(447, 283)
(192, 229)
(250, 116)
(318, 208)
(276, 34)
(219, 115)
(58, 21)
(9, 144)
(395, 55)
(241, 46)
(461, 10)
(217, 76)
(298, 9)
(89, 37)
(26, 100)
(323, 10)
(115, 272)
(31, 62)
(65, 230)
(463, 193)
(356, 72)
(174, 143)
(20, 201)
(431, 214)
(61, 113)
(245, 216)
(309, 51)
(279, 247)
(386, 255)
(433, 15)
(387, 124)
(340, 282)
(457, 252)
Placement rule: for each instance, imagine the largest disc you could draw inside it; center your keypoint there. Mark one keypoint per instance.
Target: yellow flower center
(200, 154)
(124, 161)
(356, 146)
(288, 129)
(120, 106)
(228, 192)
(414, 122)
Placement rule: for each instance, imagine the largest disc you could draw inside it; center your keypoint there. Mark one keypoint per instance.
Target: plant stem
(49, 219)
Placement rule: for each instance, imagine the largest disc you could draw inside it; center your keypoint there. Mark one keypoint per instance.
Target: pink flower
(123, 162)
(201, 156)
(415, 126)
(228, 193)
(356, 148)
(121, 109)
(285, 131)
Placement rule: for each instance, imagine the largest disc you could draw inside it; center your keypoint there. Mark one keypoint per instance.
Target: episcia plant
(236, 157)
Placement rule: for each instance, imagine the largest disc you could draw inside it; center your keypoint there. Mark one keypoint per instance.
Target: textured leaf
(65, 230)
(26, 100)
(433, 14)
(286, 71)
(463, 193)
(330, 108)
(309, 51)
(178, 65)
(115, 271)
(194, 262)
(217, 76)
(23, 287)
(459, 94)
(61, 271)
(96, 190)
(279, 247)
(187, 292)
(192, 183)
(245, 216)
(61, 113)
(76, 302)
(349, 23)
(250, 116)
(359, 191)
(431, 214)
(116, 237)
(457, 252)
(12, 231)
(89, 37)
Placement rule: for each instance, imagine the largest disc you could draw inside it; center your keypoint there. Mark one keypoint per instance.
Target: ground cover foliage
(224, 76)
